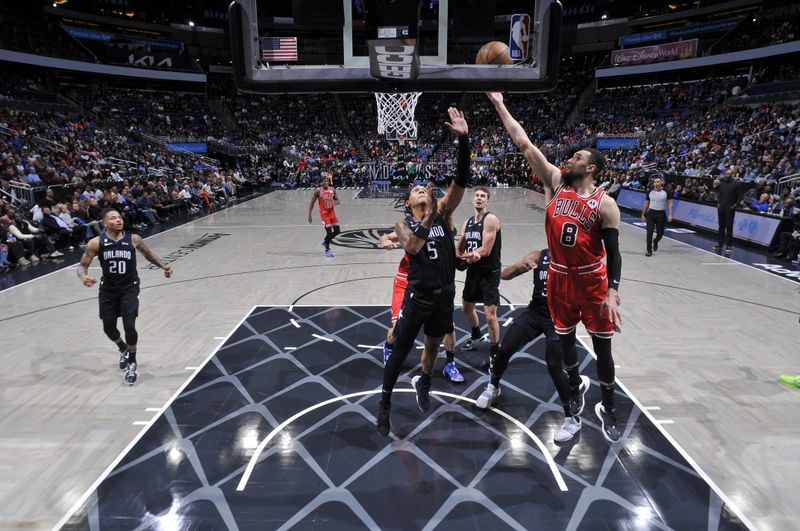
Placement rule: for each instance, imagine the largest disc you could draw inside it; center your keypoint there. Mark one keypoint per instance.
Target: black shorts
(119, 302)
(527, 326)
(482, 286)
(433, 312)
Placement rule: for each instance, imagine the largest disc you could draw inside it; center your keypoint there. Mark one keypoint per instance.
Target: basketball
(493, 53)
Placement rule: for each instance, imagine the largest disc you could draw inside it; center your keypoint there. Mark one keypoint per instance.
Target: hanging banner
(654, 54)
(678, 33)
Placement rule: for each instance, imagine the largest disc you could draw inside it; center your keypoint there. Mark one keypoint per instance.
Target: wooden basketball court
(703, 341)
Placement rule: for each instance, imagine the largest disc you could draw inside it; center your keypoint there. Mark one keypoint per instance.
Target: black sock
(121, 345)
(574, 374)
(495, 349)
(132, 355)
(451, 356)
(567, 413)
(476, 332)
(607, 393)
(495, 381)
(386, 398)
(425, 379)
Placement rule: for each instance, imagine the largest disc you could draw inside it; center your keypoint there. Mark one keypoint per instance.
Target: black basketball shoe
(130, 373)
(383, 418)
(124, 356)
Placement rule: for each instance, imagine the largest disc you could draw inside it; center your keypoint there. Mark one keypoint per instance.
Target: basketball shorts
(482, 286)
(119, 302)
(527, 326)
(578, 297)
(329, 218)
(431, 311)
(398, 292)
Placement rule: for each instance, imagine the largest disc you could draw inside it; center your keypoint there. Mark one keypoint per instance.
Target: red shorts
(398, 292)
(574, 296)
(329, 218)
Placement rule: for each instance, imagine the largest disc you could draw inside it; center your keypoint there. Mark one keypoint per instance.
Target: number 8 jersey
(118, 261)
(574, 228)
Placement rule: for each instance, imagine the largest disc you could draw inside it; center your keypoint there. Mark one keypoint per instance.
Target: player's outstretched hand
(611, 307)
(168, 271)
(457, 124)
(495, 97)
(89, 281)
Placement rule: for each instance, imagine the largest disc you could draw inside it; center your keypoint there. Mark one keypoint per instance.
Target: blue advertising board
(680, 33)
(746, 225)
(618, 143)
(194, 147)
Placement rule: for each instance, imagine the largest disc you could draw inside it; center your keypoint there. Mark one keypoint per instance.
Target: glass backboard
(306, 46)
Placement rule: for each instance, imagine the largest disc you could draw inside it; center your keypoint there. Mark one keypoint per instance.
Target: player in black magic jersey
(427, 234)
(119, 285)
(534, 321)
(479, 246)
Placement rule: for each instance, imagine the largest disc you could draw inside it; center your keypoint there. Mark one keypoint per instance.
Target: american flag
(279, 49)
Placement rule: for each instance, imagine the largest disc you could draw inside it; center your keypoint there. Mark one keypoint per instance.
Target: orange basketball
(493, 53)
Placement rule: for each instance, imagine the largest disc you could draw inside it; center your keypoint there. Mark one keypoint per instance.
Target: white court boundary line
(254, 460)
(659, 426)
(78, 504)
(731, 260)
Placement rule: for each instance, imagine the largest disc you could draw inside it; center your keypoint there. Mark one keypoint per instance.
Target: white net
(396, 114)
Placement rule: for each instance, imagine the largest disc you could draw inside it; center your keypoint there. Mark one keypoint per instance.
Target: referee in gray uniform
(653, 213)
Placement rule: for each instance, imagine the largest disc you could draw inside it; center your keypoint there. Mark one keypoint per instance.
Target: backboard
(307, 46)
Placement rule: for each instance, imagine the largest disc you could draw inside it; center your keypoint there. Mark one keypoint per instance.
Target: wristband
(421, 232)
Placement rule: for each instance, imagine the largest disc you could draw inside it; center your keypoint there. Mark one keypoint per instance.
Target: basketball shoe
(452, 373)
(567, 431)
(576, 402)
(423, 396)
(608, 422)
(124, 355)
(130, 373)
(488, 396)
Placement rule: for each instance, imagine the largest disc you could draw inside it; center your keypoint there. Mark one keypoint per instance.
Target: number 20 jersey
(574, 228)
(118, 261)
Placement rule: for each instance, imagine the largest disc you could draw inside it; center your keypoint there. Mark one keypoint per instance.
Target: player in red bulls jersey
(582, 227)
(325, 195)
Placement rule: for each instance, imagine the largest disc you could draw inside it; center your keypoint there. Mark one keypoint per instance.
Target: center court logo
(361, 238)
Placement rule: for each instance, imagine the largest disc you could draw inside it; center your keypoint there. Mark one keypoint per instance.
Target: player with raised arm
(582, 227)
(426, 234)
(399, 285)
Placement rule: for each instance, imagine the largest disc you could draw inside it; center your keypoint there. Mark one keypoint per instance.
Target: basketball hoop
(396, 114)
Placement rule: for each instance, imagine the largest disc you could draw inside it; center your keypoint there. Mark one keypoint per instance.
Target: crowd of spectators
(60, 171)
(772, 26)
(71, 165)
